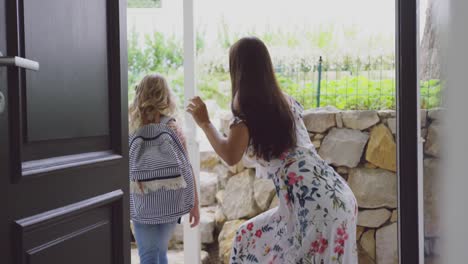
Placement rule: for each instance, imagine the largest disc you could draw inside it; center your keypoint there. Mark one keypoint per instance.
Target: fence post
(319, 80)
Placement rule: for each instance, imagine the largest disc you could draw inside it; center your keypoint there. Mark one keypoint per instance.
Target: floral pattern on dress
(315, 221)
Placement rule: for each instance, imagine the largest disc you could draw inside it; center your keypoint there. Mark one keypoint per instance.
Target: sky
(370, 16)
(374, 15)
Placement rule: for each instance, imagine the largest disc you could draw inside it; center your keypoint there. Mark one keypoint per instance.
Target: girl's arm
(231, 148)
(195, 212)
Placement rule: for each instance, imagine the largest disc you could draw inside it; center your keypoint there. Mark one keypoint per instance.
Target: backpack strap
(166, 119)
(163, 120)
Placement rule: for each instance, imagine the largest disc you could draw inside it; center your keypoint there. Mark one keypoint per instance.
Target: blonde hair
(152, 97)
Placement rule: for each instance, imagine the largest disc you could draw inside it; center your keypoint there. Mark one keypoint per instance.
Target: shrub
(157, 54)
(296, 71)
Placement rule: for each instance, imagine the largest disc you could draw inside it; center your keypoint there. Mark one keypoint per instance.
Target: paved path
(175, 257)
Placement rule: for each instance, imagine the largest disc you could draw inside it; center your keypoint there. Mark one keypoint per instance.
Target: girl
(153, 104)
(316, 219)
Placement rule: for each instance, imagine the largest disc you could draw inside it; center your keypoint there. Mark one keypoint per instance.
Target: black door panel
(64, 133)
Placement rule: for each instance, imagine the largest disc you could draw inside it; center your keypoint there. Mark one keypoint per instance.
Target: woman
(153, 228)
(316, 218)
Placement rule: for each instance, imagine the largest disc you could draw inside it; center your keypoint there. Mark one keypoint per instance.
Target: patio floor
(174, 256)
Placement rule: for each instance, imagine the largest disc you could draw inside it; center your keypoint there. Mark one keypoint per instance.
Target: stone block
(387, 244)
(368, 243)
(360, 120)
(381, 149)
(226, 238)
(373, 218)
(319, 121)
(374, 188)
(208, 188)
(343, 147)
(240, 186)
(264, 191)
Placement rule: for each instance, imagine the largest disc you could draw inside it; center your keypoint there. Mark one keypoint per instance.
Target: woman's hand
(197, 109)
(230, 148)
(194, 216)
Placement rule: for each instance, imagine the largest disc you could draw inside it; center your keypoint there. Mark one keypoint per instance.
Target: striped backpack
(161, 177)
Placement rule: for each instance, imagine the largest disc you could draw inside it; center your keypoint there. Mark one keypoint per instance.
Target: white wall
(454, 177)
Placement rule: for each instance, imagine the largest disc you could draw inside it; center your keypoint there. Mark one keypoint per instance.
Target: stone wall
(361, 146)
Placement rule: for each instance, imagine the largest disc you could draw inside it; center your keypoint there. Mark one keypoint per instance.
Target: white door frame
(192, 242)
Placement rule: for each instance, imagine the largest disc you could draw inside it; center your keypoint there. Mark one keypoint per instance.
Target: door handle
(16, 61)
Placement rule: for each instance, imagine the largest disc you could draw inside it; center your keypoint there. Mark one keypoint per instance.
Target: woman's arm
(231, 148)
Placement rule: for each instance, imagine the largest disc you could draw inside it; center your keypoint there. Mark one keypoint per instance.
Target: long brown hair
(258, 99)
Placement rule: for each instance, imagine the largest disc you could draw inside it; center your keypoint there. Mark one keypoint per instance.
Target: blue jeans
(152, 242)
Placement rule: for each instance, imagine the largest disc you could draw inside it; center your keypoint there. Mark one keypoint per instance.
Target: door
(63, 132)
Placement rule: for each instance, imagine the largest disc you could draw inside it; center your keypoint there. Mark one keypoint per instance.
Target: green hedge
(164, 54)
(144, 3)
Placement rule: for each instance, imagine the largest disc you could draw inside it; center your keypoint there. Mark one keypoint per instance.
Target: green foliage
(323, 37)
(225, 36)
(211, 88)
(144, 3)
(430, 92)
(279, 37)
(200, 40)
(164, 54)
(136, 60)
(347, 93)
(159, 54)
(357, 93)
(176, 83)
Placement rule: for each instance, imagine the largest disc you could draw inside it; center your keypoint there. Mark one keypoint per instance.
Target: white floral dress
(315, 221)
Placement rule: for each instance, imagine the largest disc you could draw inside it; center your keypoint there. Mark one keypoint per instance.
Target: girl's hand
(140, 186)
(194, 216)
(197, 109)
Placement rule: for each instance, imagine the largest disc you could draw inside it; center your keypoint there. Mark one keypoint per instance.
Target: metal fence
(358, 85)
